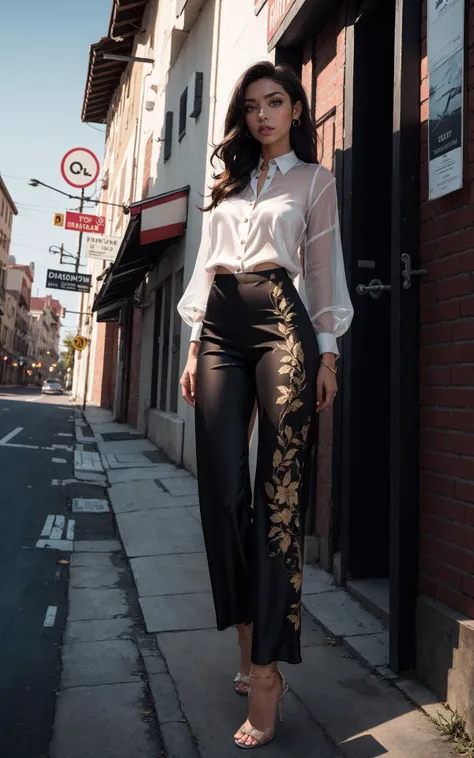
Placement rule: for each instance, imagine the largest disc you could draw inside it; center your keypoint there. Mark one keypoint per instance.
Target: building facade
(45, 325)
(19, 283)
(8, 209)
(393, 496)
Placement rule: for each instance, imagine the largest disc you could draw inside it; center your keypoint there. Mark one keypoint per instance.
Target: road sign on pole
(85, 222)
(80, 167)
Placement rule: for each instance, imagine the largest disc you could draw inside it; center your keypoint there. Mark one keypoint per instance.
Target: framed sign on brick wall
(446, 95)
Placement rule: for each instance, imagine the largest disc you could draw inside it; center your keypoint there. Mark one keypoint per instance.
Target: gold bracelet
(323, 363)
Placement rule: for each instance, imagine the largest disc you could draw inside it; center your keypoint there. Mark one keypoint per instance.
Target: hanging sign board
(79, 342)
(446, 95)
(277, 12)
(103, 248)
(84, 222)
(66, 280)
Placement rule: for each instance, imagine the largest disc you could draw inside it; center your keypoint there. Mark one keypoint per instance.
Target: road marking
(58, 460)
(71, 525)
(23, 447)
(12, 434)
(50, 617)
(60, 522)
(67, 448)
(65, 545)
(89, 505)
(63, 434)
(48, 525)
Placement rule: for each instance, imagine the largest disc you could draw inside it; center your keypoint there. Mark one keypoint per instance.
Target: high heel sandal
(263, 738)
(242, 678)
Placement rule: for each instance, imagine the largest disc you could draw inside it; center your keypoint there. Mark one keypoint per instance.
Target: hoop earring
(296, 122)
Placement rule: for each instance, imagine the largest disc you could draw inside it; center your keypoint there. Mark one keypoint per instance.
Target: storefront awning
(155, 224)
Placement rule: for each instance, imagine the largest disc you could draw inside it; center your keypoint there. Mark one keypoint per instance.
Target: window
(183, 112)
(166, 345)
(196, 94)
(168, 134)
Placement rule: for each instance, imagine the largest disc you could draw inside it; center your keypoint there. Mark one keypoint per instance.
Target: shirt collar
(284, 162)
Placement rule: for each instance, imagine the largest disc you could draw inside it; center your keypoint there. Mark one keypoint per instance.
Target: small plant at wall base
(454, 730)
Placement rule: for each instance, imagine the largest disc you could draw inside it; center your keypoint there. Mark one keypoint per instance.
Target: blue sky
(43, 65)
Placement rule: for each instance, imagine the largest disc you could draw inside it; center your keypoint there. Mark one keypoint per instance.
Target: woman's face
(269, 112)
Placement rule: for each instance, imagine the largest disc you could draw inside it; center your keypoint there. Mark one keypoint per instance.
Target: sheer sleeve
(192, 305)
(329, 304)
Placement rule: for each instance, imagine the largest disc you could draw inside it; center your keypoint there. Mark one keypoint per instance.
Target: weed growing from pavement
(454, 729)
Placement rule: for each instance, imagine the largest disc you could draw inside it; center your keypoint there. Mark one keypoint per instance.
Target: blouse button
(246, 220)
(238, 270)
(242, 242)
(239, 257)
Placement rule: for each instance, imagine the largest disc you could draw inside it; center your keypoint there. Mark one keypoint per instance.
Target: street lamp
(37, 183)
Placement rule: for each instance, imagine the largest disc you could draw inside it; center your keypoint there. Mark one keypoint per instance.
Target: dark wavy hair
(239, 152)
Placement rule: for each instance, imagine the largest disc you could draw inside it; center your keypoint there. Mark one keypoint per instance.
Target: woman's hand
(188, 379)
(326, 383)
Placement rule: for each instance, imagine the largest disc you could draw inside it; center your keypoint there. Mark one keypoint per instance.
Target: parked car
(51, 387)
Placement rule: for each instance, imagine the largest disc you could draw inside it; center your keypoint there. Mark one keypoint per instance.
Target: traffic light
(63, 312)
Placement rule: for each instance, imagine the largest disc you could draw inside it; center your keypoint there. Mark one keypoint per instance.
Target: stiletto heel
(263, 738)
(242, 678)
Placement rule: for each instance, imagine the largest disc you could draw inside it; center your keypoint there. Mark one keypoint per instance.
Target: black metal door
(404, 402)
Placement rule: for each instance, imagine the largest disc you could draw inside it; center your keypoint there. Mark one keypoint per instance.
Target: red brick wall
(134, 389)
(105, 365)
(328, 73)
(447, 371)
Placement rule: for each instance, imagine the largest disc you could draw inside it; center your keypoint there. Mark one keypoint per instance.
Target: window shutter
(197, 90)
(183, 112)
(168, 134)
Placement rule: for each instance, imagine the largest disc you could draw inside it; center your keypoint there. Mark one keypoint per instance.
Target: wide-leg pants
(258, 343)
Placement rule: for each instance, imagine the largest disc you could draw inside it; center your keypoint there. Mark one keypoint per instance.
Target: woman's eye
(248, 108)
(277, 102)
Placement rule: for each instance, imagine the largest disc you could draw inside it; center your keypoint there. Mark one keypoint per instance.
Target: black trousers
(258, 343)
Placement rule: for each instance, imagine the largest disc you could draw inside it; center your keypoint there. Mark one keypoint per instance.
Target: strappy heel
(242, 678)
(263, 738)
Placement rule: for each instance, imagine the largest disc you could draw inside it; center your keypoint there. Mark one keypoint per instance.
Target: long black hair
(240, 152)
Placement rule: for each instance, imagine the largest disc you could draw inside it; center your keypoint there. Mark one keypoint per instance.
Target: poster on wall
(446, 96)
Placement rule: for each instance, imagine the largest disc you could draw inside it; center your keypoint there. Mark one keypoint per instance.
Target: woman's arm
(192, 305)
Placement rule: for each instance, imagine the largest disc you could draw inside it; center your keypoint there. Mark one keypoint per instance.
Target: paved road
(31, 579)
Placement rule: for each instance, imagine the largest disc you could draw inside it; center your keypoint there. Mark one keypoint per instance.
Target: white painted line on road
(50, 617)
(48, 525)
(60, 521)
(12, 434)
(62, 482)
(56, 533)
(63, 434)
(67, 448)
(58, 460)
(89, 505)
(71, 525)
(23, 447)
(65, 545)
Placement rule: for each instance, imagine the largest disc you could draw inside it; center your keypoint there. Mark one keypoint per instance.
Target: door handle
(408, 271)
(375, 288)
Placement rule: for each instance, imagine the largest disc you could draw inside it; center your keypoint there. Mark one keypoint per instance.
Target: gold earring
(296, 122)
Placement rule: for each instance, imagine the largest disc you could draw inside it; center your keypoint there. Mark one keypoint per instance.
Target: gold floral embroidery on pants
(284, 490)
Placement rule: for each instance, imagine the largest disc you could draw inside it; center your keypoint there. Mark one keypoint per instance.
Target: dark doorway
(368, 540)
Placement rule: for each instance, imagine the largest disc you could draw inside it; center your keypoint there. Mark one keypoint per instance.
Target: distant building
(8, 209)
(45, 325)
(18, 284)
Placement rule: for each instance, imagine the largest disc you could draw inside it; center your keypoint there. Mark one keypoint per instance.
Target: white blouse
(297, 207)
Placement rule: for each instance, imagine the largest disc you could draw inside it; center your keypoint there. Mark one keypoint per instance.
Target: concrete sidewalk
(336, 707)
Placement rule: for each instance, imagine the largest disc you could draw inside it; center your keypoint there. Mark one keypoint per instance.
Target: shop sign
(446, 95)
(103, 248)
(65, 280)
(277, 11)
(84, 222)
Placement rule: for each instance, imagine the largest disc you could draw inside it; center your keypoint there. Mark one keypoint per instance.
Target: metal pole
(78, 257)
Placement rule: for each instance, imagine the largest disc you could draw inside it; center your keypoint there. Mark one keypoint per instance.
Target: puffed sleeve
(193, 303)
(329, 303)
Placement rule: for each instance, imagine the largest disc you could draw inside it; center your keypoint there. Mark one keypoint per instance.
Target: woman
(253, 340)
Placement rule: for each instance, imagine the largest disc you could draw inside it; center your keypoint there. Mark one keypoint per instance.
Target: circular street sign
(80, 167)
(79, 342)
